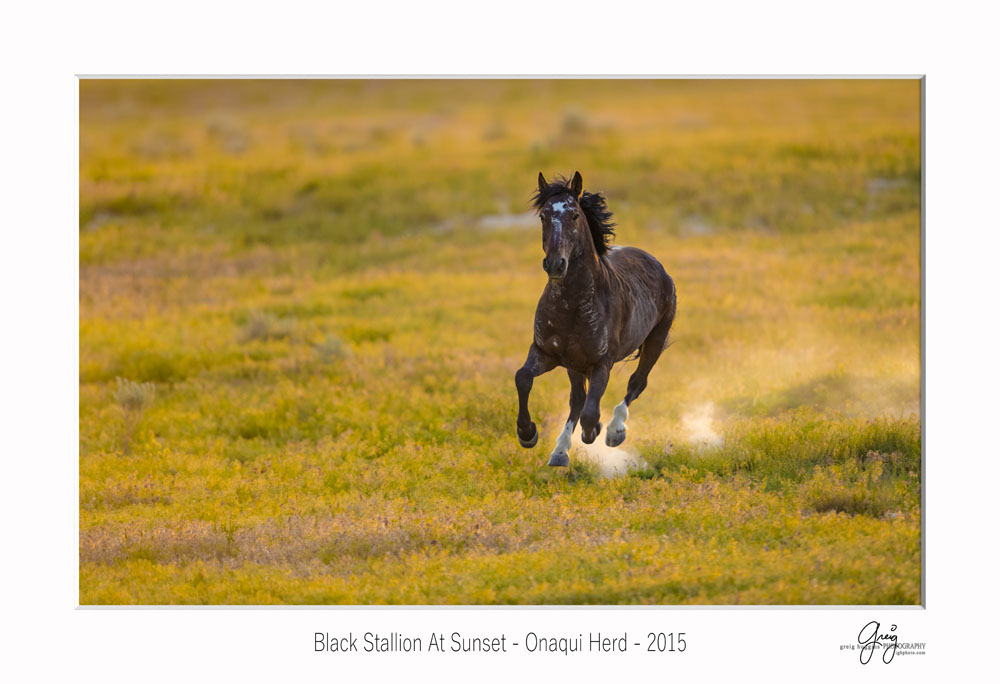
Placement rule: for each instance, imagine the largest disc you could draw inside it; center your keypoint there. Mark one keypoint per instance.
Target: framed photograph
(498, 343)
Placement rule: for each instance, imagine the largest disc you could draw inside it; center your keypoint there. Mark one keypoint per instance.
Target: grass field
(302, 305)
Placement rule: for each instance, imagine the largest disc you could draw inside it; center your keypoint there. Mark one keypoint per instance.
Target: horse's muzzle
(556, 268)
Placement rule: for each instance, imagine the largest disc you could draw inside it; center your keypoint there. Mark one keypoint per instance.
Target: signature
(870, 639)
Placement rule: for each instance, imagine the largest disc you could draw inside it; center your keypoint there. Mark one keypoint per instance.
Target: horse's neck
(581, 285)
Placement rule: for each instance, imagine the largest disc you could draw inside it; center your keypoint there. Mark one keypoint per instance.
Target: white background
(43, 48)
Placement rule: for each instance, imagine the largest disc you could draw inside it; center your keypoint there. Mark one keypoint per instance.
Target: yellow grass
(329, 285)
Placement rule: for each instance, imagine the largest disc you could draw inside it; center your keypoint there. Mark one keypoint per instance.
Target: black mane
(595, 210)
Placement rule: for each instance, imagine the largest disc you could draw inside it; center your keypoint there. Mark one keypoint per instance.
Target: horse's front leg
(577, 397)
(590, 419)
(538, 362)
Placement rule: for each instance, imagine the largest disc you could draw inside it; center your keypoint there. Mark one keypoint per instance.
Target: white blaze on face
(558, 209)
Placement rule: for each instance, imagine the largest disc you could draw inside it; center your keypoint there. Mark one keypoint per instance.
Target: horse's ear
(577, 186)
(542, 184)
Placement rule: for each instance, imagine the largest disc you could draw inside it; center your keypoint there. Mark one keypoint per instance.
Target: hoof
(589, 437)
(614, 436)
(559, 459)
(532, 441)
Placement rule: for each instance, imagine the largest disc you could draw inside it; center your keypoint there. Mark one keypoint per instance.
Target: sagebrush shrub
(133, 398)
(265, 326)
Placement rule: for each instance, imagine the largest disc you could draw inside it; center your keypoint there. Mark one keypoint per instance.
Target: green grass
(299, 277)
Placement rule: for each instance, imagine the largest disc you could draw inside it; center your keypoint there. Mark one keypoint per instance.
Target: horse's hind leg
(537, 363)
(652, 347)
(577, 397)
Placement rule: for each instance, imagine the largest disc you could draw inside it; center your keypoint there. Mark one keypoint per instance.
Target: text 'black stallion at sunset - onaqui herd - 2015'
(601, 304)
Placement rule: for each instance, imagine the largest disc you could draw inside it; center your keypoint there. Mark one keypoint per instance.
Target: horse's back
(643, 275)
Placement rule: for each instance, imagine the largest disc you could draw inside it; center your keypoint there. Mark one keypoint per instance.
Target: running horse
(601, 304)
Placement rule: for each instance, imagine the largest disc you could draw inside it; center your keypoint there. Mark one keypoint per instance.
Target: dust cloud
(611, 461)
(697, 426)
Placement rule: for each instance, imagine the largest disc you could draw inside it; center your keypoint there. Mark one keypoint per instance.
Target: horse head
(565, 233)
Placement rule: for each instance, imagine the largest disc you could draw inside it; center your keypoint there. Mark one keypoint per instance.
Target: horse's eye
(575, 216)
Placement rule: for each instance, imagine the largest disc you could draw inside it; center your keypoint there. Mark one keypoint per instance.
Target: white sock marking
(565, 439)
(621, 414)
